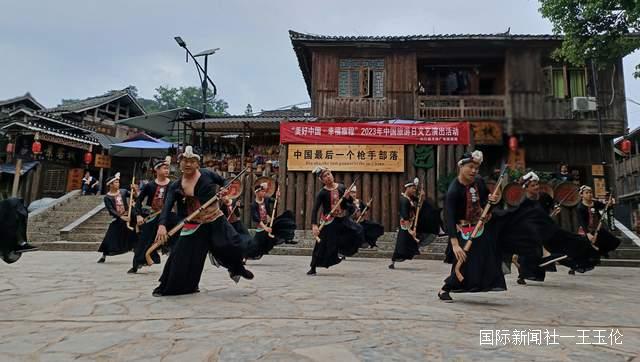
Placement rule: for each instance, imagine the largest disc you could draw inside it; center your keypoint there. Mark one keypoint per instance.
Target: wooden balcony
(460, 107)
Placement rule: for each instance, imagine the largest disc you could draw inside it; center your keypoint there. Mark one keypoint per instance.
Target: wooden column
(282, 179)
(309, 197)
(300, 180)
(16, 178)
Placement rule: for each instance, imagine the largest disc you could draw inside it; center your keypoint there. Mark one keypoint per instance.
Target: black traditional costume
(120, 237)
(588, 218)
(155, 196)
(231, 211)
(372, 230)
(13, 223)
(283, 227)
(340, 236)
(208, 233)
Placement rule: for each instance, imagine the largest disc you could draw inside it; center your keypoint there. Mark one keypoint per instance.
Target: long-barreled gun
(325, 219)
(414, 224)
(187, 219)
(133, 184)
(364, 211)
(595, 233)
(273, 212)
(480, 223)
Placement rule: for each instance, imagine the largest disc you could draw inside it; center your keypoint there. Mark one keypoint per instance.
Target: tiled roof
(93, 102)
(26, 97)
(291, 112)
(52, 131)
(296, 36)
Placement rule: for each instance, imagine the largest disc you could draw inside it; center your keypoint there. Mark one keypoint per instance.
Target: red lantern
(513, 143)
(36, 148)
(10, 148)
(88, 157)
(625, 146)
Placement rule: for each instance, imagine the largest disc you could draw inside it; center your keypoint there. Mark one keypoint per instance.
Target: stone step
(93, 237)
(68, 246)
(625, 253)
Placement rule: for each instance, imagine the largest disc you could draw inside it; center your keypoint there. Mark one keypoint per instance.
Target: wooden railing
(460, 107)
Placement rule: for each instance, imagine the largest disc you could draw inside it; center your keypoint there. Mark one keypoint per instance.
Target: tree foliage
(599, 30)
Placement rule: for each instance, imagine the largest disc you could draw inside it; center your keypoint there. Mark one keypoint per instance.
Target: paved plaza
(62, 306)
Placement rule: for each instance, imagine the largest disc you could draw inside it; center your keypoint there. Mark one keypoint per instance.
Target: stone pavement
(60, 306)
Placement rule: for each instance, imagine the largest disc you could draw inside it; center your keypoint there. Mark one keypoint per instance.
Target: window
(361, 78)
(563, 82)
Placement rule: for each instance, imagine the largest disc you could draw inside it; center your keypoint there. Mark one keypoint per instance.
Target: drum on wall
(235, 188)
(271, 184)
(513, 193)
(566, 194)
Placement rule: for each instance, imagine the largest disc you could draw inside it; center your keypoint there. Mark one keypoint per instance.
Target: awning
(161, 123)
(54, 135)
(11, 167)
(140, 148)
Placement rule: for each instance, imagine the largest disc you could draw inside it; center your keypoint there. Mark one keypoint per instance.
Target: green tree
(249, 110)
(170, 98)
(599, 30)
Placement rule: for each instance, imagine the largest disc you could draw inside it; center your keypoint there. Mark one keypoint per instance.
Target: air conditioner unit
(583, 104)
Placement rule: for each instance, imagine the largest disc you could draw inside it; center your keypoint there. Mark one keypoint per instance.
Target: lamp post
(204, 78)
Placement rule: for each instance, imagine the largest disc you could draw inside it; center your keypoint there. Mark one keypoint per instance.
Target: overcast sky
(76, 49)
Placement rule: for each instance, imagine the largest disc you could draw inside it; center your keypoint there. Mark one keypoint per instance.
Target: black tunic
(372, 230)
(119, 239)
(182, 272)
(154, 196)
(482, 270)
(340, 234)
(13, 223)
(233, 216)
(588, 219)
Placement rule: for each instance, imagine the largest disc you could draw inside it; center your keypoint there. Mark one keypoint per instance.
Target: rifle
(480, 223)
(324, 219)
(366, 208)
(414, 225)
(178, 227)
(133, 183)
(595, 234)
(273, 212)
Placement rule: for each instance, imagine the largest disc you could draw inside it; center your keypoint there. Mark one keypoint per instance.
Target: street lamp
(204, 80)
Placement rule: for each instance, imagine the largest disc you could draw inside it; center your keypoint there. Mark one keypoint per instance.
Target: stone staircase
(87, 236)
(44, 226)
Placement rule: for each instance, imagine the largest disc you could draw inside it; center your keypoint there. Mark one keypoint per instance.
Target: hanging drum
(566, 194)
(513, 193)
(546, 188)
(235, 188)
(271, 184)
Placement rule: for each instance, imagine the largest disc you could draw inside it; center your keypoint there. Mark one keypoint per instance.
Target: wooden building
(66, 133)
(504, 85)
(627, 167)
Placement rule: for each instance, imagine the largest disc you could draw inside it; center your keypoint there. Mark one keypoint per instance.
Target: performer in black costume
(119, 238)
(340, 236)
(589, 216)
(266, 237)
(464, 202)
(406, 244)
(13, 223)
(372, 230)
(155, 193)
(231, 209)
(535, 267)
(209, 232)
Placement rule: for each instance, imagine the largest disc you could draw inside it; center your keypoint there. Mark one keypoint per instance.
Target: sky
(81, 48)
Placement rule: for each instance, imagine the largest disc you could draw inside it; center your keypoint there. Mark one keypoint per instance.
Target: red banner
(441, 133)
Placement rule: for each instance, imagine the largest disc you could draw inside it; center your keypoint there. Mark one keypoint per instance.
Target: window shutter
(547, 81)
(365, 82)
